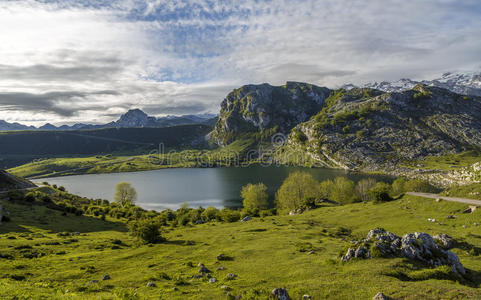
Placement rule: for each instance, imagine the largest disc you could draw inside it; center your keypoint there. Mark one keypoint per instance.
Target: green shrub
(146, 230)
(418, 185)
(380, 192)
(210, 214)
(229, 215)
(343, 191)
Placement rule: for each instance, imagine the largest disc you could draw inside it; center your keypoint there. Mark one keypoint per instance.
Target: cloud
(174, 57)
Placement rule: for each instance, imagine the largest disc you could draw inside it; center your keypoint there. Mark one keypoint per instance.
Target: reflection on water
(169, 188)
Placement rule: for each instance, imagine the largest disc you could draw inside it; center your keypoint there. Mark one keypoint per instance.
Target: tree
(343, 191)
(254, 196)
(325, 189)
(418, 185)
(299, 189)
(398, 186)
(363, 187)
(380, 192)
(125, 194)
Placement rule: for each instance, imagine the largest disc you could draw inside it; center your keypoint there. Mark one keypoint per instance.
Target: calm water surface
(170, 188)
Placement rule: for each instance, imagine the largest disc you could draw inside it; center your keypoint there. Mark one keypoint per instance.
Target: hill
(10, 182)
(45, 251)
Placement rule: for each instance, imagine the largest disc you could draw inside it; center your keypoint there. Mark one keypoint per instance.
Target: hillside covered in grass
(52, 251)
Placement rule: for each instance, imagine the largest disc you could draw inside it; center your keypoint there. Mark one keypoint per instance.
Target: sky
(70, 61)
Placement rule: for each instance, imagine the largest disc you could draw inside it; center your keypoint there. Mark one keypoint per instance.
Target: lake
(170, 188)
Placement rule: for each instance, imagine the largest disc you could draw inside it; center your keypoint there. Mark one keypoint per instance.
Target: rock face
(255, 108)
(416, 246)
(364, 129)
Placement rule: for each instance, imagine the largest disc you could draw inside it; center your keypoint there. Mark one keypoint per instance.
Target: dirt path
(452, 199)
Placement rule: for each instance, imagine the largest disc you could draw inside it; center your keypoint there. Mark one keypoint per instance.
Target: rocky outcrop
(368, 130)
(257, 108)
(416, 246)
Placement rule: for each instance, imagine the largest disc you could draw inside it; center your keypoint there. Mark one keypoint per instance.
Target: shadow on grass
(415, 271)
(24, 218)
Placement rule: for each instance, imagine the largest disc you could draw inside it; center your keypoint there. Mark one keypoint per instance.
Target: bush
(398, 186)
(210, 213)
(300, 189)
(363, 187)
(147, 230)
(229, 215)
(254, 197)
(418, 185)
(381, 192)
(343, 191)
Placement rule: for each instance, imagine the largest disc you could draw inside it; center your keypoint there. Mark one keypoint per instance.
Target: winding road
(452, 199)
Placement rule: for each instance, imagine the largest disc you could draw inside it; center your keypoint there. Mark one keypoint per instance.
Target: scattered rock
(246, 218)
(311, 252)
(151, 284)
(220, 268)
(444, 240)
(175, 288)
(296, 212)
(431, 220)
(203, 269)
(225, 287)
(417, 246)
(213, 280)
(221, 257)
(438, 200)
(198, 276)
(189, 243)
(200, 264)
(451, 217)
(380, 296)
(106, 277)
(231, 276)
(198, 222)
(470, 209)
(475, 224)
(94, 281)
(280, 294)
(306, 297)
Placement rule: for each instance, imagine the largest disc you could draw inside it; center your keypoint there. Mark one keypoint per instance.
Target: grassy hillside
(21, 146)
(264, 253)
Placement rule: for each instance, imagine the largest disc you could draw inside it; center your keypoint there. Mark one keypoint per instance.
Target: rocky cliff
(370, 130)
(266, 108)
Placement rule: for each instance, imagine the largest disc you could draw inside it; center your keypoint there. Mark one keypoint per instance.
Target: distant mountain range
(134, 118)
(460, 83)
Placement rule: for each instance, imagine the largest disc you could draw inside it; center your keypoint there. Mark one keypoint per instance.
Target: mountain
(5, 126)
(266, 109)
(461, 83)
(134, 118)
(9, 182)
(369, 130)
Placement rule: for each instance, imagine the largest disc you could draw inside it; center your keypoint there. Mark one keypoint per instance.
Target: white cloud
(173, 56)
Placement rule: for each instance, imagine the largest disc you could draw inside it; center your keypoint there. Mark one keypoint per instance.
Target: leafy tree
(254, 196)
(381, 192)
(300, 189)
(125, 194)
(343, 191)
(325, 189)
(398, 186)
(418, 185)
(363, 187)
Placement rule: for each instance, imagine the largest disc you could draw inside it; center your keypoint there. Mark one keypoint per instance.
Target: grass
(266, 253)
(446, 162)
(470, 191)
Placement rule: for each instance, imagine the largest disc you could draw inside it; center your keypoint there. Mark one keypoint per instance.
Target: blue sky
(76, 61)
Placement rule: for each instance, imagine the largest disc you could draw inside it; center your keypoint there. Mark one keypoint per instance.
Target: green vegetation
(446, 162)
(254, 197)
(299, 190)
(125, 194)
(470, 191)
(46, 253)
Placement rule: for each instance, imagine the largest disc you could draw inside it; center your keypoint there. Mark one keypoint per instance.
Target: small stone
(198, 276)
(380, 296)
(213, 280)
(189, 243)
(200, 264)
(203, 269)
(246, 218)
(306, 297)
(231, 276)
(451, 217)
(175, 288)
(464, 226)
(225, 287)
(280, 294)
(475, 224)
(311, 252)
(94, 281)
(220, 268)
(221, 257)
(431, 220)
(438, 200)
(151, 284)
(106, 277)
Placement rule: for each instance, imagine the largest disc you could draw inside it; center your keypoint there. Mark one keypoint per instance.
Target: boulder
(416, 246)
(280, 294)
(203, 269)
(213, 280)
(380, 296)
(444, 240)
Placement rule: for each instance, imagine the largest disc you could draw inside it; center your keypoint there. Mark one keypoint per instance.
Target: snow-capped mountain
(461, 83)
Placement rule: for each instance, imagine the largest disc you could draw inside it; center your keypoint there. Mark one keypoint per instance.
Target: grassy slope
(446, 162)
(113, 163)
(265, 255)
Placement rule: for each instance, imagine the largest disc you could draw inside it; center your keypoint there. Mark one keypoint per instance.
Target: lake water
(170, 188)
